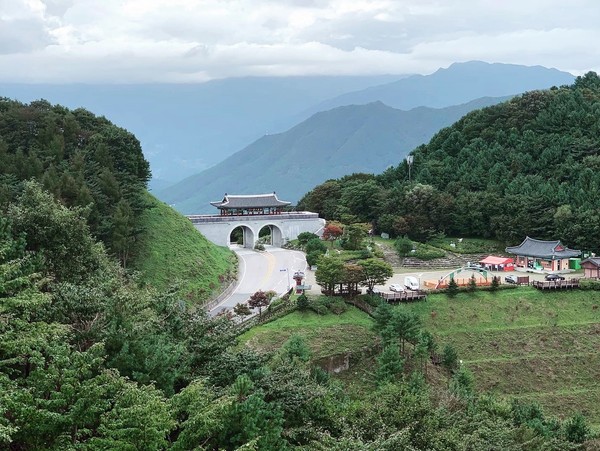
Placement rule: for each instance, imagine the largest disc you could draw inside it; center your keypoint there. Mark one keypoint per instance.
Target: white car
(396, 287)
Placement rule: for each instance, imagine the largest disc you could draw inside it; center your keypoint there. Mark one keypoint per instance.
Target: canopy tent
(503, 263)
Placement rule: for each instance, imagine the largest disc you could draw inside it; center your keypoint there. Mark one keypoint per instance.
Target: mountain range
(359, 137)
(186, 128)
(330, 144)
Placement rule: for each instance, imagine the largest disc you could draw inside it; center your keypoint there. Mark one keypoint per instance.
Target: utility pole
(409, 160)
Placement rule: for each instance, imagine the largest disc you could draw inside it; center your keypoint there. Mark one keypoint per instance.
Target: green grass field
(542, 346)
(172, 252)
(469, 245)
(537, 346)
(326, 335)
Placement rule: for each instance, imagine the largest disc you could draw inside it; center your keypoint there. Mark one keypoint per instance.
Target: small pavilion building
(249, 205)
(547, 256)
(591, 267)
(498, 263)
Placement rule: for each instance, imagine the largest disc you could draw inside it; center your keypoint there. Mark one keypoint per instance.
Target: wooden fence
(556, 284)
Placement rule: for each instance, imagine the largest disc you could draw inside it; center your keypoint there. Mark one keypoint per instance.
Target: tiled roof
(250, 201)
(542, 249)
(593, 260)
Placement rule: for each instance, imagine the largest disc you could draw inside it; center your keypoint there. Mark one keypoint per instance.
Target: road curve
(269, 270)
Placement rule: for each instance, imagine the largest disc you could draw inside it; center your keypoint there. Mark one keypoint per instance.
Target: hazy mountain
(186, 128)
(459, 83)
(357, 138)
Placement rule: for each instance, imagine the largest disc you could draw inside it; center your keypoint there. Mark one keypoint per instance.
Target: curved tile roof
(241, 201)
(542, 249)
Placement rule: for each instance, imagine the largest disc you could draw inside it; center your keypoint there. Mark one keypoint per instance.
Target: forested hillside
(530, 166)
(91, 359)
(83, 160)
(331, 143)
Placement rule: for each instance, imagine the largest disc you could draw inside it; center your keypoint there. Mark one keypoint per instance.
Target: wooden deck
(556, 284)
(404, 296)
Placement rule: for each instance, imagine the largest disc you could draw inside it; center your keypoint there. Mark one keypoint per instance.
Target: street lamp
(409, 160)
(288, 276)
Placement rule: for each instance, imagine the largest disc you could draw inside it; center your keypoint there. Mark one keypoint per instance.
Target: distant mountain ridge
(186, 128)
(356, 138)
(458, 83)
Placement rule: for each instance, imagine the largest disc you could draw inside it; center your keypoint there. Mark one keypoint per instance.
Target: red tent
(501, 263)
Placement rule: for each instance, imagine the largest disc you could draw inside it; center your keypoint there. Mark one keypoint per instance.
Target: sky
(188, 41)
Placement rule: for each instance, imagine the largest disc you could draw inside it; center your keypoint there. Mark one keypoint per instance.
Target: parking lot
(398, 277)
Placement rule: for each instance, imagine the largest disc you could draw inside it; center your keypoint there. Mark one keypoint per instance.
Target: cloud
(130, 41)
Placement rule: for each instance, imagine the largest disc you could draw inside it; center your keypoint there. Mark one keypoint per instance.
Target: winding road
(269, 270)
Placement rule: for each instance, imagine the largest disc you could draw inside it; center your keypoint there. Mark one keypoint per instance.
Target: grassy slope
(326, 335)
(535, 345)
(172, 251)
(538, 346)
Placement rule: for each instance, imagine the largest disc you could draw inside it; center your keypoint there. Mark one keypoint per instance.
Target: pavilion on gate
(254, 204)
(542, 255)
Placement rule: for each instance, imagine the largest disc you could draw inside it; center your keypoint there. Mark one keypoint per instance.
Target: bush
(313, 257)
(305, 237)
(303, 303)
(589, 284)
(259, 247)
(426, 252)
(404, 246)
(315, 245)
(338, 307)
(319, 308)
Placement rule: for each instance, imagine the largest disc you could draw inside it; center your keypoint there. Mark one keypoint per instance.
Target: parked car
(396, 287)
(412, 283)
(553, 277)
(474, 265)
(511, 278)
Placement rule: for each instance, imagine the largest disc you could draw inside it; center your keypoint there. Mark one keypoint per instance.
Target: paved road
(269, 270)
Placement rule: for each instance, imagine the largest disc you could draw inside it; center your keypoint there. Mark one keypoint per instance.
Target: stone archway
(273, 232)
(242, 235)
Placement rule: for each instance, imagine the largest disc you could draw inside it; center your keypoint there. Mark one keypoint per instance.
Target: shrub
(404, 246)
(303, 303)
(315, 245)
(338, 307)
(589, 284)
(452, 289)
(305, 237)
(259, 247)
(313, 257)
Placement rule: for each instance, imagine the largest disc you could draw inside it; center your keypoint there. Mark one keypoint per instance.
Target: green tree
(353, 237)
(577, 429)
(296, 348)
(305, 237)
(375, 272)
(452, 289)
(248, 418)
(242, 310)
(315, 245)
(389, 364)
(303, 303)
(330, 273)
(495, 283)
(472, 283)
(403, 246)
(58, 234)
(450, 358)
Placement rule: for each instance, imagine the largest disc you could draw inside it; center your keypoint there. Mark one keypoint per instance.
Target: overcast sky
(130, 41)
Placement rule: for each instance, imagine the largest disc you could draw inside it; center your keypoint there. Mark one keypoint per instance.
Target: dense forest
(83, 160)
(91, 359)
(529, 166)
